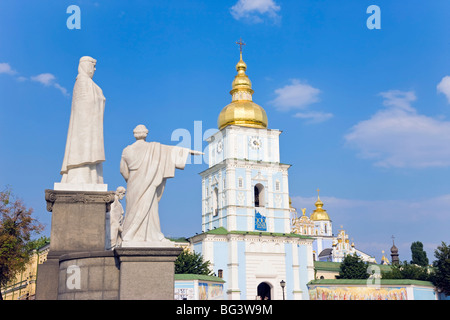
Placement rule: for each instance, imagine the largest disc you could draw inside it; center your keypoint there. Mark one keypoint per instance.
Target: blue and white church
(246, 212)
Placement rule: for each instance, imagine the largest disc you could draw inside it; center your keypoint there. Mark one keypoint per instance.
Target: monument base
(47, 278)
(119, 274)
(80, 187)
(147, 273)
(148, 244)
(79, 267)
(78, 225)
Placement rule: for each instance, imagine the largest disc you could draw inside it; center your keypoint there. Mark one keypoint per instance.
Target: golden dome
(319, 214)
(242, 111)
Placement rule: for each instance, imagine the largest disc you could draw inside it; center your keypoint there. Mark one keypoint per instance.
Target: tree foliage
(407, 270)
(191, 263)
(16, 228)
(441, 277)
(352, 267)
(418, 255)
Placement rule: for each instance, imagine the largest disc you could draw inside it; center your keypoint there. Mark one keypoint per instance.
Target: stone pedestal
(147, 273)
(78, 225)
(78, 219)
(90, 275)
(79, 267)
(47, 278)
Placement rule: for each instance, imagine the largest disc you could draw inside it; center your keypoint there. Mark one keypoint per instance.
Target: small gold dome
(320, 214)
(242, 111)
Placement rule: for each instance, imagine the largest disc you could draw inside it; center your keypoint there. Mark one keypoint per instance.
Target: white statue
(116, 218)
(85, 152)
(146, 166)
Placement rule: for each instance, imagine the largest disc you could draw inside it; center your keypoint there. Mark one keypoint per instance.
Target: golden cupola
(319, 214)
(242, 111)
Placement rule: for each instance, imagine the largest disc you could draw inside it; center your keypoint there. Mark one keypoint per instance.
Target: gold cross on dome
(240, 43)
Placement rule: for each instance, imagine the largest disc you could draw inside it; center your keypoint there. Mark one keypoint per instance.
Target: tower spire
(241, 44)
(242, 110)
(394, 253)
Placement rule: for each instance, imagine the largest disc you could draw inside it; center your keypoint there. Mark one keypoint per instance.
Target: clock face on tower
(255, 143)
(219, 146)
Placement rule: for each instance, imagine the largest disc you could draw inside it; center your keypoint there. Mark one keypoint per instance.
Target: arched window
(215, 202)
(259, 195)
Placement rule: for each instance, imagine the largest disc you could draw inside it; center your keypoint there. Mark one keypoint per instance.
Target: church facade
(246, 212)
(326, 245)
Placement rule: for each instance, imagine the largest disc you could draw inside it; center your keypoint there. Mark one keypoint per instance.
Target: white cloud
(6, 68)
(253, 10)
(395, 211)
(399, 99)
(62, 89)
(400, 137)
(314, 117)
(371, 223)
(299, 95)
(296, 95)
(444, 87)
(48, 79)
(44, 78)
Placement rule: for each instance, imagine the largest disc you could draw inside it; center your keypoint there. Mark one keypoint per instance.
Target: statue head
(120, 192)
(87, 66)
(140, 132)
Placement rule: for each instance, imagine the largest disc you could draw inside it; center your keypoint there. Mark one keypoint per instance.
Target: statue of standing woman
(146, 166)
(82, 165)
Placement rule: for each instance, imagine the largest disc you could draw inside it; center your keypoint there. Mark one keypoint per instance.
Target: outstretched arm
(194, 153)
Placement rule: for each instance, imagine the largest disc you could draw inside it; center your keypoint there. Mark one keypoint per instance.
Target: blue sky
(364, 113)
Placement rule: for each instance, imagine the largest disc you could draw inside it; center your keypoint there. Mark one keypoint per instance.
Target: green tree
(441, 276)
(418, 255)
(407, 270)
(394, 273)
(40, 242)
(352, 267)
(16, 228)
(192, 263)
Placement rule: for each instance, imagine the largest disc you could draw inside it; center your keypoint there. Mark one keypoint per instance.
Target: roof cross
(240, 43)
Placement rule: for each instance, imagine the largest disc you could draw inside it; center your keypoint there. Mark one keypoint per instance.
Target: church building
(326, 245)
(246, 212)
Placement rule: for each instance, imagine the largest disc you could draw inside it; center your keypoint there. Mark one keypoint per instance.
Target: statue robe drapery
(85, 152)
(146, 166)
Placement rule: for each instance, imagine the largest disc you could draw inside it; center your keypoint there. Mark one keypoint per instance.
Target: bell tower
(245, 187)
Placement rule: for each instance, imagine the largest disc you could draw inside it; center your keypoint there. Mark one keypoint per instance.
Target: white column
(310, 262)
(297, 293)
(249, 196)
(233, 292)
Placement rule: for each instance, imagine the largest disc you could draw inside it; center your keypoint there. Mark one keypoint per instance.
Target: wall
(198, 287)
(389, 289)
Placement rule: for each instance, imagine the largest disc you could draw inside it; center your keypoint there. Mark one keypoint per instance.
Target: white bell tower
(245, 187)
